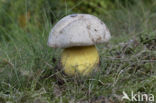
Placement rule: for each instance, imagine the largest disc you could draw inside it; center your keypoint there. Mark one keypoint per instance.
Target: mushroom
(78, 34)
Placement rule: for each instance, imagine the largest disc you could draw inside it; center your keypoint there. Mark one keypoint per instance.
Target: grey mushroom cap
(78, 30)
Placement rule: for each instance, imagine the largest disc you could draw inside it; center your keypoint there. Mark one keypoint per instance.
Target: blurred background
(25, 14)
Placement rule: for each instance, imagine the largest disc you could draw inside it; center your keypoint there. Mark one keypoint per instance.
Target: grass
(128, 61)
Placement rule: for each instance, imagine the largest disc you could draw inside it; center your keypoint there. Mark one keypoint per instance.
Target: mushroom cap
(78, 30)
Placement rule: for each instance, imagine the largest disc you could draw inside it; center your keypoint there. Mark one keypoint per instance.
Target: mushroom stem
(79, 60)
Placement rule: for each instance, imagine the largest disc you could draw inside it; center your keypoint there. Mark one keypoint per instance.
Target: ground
(127, 63)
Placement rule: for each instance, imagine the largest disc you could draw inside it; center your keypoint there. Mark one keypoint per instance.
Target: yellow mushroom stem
(79, 60)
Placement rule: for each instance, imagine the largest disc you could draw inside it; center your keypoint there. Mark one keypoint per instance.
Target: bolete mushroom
(78, 34)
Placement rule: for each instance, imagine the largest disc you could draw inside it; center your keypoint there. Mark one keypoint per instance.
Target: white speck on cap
(78, 30)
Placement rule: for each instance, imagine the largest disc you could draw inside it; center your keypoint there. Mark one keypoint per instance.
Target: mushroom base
(79, 60)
